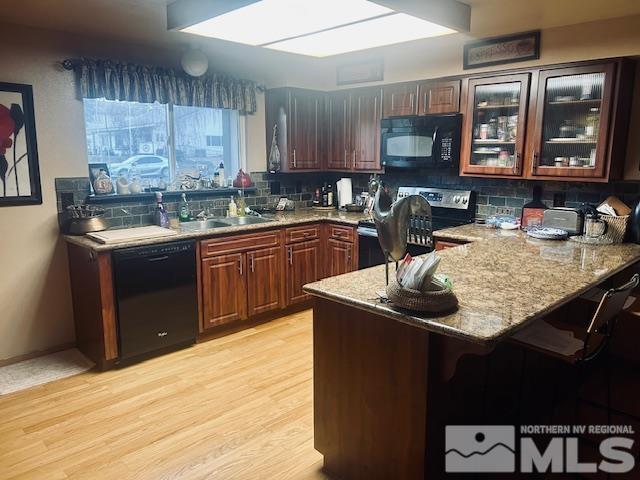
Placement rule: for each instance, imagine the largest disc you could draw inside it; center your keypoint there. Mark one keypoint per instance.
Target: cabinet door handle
(411, 102)
(536, 159)
(516, 164)
(345, 158)
(349, 257)
(294, 157)
(251, 263)
(354, 158)
(240, 266)
(290, 255)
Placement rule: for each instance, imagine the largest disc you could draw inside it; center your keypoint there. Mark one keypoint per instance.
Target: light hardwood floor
(238, 407)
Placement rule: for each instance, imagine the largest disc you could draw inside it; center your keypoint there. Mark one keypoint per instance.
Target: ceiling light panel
(377, 32)
(269, 21)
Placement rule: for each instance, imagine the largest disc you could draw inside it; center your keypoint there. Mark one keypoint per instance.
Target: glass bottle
(183, 214)
(592, 123)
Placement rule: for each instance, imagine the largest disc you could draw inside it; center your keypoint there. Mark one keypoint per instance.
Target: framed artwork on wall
(501, 50)
(19, 168)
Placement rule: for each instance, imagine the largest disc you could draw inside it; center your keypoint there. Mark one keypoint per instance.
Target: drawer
(341, 232)
(302, 233)
(239, 243)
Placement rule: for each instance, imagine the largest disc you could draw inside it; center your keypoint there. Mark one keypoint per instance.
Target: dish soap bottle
(160, 216)
(184, 216)
(233, 208)
(242, 206)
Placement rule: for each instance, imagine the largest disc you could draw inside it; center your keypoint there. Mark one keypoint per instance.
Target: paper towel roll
(345, 192)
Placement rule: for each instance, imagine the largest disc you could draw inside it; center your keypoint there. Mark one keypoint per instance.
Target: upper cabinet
(421, 98)
(338, 130)
(366, 113)
(494, 125)
(438, 97)
(352, 129)
(560, 123)
(298, 117)
(571, 127)
(400, 99)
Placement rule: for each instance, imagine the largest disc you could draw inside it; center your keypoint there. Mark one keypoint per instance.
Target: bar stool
(587, 344)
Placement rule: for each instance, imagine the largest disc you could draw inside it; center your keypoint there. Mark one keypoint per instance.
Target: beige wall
(34, 288)
(36, 309)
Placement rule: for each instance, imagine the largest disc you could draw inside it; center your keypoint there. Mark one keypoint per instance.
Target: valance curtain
(148, 84)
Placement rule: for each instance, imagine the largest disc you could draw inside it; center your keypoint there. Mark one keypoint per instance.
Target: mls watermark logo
(488, 448)
(492, 448)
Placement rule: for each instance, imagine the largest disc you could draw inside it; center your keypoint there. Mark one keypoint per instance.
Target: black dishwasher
(156, 297)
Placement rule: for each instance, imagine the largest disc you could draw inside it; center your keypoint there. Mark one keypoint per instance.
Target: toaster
(569, 219)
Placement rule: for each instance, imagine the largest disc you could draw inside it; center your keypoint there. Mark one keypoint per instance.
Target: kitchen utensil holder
(435, 297)
(616, 227)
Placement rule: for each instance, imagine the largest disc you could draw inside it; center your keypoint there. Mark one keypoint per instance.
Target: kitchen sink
(201, 225)
(220, 222)
(245, 220)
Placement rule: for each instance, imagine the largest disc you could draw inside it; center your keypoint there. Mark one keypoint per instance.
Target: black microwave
(430, 141)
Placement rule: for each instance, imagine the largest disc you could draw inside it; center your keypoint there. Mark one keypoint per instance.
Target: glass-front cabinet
(495, 122)
(571, 127)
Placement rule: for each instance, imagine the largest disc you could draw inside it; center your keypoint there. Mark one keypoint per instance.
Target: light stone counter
(503, 281)
(280, 220)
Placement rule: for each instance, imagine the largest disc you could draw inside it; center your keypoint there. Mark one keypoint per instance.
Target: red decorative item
(243, 180)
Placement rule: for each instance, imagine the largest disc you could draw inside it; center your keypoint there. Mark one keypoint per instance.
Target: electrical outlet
(504, 210)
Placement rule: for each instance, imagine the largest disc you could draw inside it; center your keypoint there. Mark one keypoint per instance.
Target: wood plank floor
(238, 407)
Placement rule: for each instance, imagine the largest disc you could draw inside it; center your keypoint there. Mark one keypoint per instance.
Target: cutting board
(131, 234)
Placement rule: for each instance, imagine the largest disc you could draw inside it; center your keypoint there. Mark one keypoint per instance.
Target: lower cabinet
(264, 277)
(243, 276)
(339, 257)
(303, 266)
(224, 289)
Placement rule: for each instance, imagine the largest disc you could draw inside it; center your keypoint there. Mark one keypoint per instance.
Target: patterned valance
(148, 84)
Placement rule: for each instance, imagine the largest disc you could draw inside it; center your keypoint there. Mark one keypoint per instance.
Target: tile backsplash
(299, 187)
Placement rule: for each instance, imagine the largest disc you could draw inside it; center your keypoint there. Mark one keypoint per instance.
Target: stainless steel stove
(449, 208)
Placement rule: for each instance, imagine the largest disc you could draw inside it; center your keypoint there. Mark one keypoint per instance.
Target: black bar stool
(578, 345)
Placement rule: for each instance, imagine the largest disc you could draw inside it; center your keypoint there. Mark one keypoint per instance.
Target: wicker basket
(616, 228)
(434, 298)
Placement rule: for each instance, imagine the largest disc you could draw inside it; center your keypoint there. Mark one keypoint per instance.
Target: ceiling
(144, 22)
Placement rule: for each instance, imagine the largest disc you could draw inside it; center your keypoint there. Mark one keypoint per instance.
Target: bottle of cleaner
(160, 216)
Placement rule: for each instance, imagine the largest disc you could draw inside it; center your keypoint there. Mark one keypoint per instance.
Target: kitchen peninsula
(387, 381)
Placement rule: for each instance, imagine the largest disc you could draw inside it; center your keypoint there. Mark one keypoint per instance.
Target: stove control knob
(456, 199)
(465, 200)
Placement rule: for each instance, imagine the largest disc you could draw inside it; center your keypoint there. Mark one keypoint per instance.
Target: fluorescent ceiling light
(269, 21)
(386, 30)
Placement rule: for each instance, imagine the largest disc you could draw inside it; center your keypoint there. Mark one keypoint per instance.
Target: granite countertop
(475, 233)
(502, 282)
(281, 219)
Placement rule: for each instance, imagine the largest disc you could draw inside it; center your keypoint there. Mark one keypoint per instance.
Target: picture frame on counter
(100, 179)
(19, 165)
(519, 47)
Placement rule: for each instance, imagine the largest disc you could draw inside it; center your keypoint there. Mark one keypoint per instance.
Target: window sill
(213, 192)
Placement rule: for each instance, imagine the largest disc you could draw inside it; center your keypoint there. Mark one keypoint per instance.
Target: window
(159, 144)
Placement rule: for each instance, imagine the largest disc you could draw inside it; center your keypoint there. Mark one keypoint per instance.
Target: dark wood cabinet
(339, 257)
(400, 99)
(338, 130)
(297, 115)
(566, 122)
(438, 97)
(495, 121)
(571, 127)
(366, 113)
(224, 289)
(264, 277)
(353, 130)
(303, 266)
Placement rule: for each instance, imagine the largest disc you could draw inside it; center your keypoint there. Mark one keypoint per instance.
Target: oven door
(369, 251)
